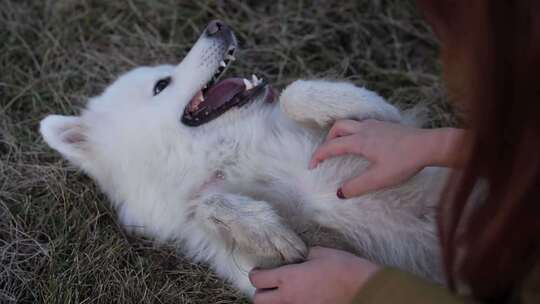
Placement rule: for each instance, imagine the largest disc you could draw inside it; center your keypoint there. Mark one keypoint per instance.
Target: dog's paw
(254, 227)
(279, 245)
(321, 102)
(297, 103)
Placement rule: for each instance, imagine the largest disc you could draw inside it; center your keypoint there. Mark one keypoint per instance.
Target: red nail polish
(340, 194)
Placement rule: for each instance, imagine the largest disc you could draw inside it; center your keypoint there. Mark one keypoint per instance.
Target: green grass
(59, 241)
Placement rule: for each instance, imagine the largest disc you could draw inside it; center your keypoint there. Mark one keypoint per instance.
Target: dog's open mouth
(219, 96)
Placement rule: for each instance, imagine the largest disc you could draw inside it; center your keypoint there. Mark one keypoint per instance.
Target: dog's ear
(67, 135)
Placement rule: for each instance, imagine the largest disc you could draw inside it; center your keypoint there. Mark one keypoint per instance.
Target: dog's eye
(161, 85)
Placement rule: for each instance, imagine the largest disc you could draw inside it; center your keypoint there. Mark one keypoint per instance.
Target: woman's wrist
(444, 147)
(363, 270)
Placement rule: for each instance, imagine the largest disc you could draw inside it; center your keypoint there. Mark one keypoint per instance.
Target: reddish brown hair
(490, 51)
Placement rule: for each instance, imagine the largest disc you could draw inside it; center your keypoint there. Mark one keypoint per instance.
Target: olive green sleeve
(391, 286)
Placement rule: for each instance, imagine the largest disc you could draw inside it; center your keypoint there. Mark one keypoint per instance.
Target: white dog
(221, 169)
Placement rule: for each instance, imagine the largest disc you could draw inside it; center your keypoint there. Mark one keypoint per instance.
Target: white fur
(236, 192)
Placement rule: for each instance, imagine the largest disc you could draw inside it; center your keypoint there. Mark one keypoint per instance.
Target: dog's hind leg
(250, 231)
(320, 103)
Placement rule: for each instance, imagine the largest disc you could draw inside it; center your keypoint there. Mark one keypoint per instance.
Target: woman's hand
(328, 276)
(396, 152)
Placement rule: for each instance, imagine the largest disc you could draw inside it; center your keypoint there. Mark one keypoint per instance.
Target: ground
(59, 241)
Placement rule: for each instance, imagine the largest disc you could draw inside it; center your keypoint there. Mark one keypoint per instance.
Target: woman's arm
(338, 277)
(389, 286)
(396, 152)
(447, 147)
(327, 276)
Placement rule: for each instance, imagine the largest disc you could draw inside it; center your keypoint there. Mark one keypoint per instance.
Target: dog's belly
(274, 168)
(296, 194)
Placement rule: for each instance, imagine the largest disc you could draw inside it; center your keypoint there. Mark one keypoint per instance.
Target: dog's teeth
(248, 84)
(222, 63)
(231, 57)
(254, 80)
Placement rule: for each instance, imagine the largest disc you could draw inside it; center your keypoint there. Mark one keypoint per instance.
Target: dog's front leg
(251, 232)
(253, 227)
(320, 103)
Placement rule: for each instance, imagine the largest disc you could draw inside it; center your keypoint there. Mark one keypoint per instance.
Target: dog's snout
(214, 27)
(217, 29)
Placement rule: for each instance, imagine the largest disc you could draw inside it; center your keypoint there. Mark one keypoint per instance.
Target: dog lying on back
(220, 167)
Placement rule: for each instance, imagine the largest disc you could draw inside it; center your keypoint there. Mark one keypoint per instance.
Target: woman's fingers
(337, 141)
(317, 252)
(266, 279)
(268, 284)
(335, 147)
(343, 128)
(368, 181)
(271, 296)
(376, 177)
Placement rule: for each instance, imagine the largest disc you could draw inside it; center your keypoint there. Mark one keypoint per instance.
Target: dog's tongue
(219, 94)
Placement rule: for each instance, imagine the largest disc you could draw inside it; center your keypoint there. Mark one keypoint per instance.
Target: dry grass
(59, 241)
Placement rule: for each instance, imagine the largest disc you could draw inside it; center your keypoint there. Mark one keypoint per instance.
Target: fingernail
(340, 194)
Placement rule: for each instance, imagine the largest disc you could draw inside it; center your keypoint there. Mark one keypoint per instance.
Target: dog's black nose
(214, 27)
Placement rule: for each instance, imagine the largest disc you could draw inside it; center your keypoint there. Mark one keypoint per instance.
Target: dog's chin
(210, 103)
